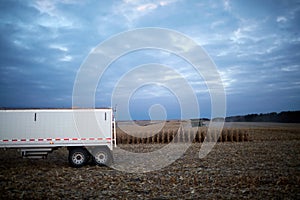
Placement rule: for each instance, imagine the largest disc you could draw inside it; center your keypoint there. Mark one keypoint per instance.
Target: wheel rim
(101, 158)
(78, 158)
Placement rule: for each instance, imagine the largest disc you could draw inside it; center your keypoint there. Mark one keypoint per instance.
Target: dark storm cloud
(254, 44)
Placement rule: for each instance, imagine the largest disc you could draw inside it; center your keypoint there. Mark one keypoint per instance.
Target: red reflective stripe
(57, 139)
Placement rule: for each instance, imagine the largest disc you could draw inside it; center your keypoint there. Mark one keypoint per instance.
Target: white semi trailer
(87, 133)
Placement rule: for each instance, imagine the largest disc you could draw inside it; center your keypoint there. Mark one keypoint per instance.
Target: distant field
(266, 166)
(176, 123)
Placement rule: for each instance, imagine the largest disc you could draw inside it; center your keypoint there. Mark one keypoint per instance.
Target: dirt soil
(268, 167)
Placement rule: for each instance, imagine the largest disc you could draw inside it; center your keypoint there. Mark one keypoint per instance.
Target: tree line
(284, 117)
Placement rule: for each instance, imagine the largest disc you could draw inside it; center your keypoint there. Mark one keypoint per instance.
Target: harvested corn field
(267, 166)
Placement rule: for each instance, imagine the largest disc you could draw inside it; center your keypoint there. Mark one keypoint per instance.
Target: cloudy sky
(255, 46)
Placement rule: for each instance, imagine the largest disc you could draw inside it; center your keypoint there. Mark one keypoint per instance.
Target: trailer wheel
(78, 157)
(102, 156)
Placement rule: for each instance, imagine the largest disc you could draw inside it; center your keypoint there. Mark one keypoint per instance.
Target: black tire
(78, 157)
(102, 156)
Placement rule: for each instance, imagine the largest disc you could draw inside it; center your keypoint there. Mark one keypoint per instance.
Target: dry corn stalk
(176, 136)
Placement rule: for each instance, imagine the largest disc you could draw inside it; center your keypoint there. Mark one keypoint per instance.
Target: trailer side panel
(55, 127)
